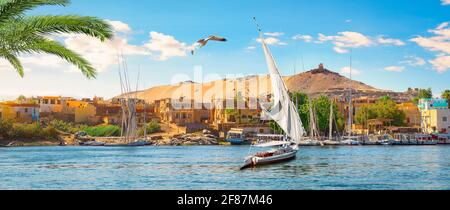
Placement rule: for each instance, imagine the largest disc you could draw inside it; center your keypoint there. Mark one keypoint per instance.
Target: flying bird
(202, 42)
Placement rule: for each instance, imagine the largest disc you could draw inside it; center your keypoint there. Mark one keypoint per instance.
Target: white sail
(283, 112)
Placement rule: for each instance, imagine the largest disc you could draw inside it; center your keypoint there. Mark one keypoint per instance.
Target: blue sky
(395, 44)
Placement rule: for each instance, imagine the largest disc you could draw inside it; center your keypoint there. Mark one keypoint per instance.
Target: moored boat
(331, 143)
(351, 141)
(237, 137)
(284, 153)
(92, 143)
(310, 142)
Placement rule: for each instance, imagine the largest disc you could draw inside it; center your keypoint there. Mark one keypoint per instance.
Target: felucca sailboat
(284, 112)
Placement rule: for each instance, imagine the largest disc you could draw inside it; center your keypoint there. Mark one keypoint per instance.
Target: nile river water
(216, 167)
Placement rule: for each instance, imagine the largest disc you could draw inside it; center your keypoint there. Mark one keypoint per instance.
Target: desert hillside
(315, 82)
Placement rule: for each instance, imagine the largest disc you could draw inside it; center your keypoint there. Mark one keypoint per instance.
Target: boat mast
(330, 132)
(350, 106)
(311, 121)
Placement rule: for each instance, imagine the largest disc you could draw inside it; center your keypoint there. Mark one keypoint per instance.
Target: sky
(393, 44)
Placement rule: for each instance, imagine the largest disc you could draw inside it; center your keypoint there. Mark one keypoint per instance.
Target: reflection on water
(218, 168)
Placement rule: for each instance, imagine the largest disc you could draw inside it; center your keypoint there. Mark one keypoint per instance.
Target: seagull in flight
(202, 42)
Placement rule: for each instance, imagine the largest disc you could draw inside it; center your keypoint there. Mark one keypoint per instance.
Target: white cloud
(439, 43)
(348, 20)
(167, 46)
(442, 25)
(119, 26)
(346, 70)
(345, 40)
(305, 38)
(272, 41)
(445, 2)
(276, 34)
(395, 68)
(103, 55)
(441, 63)
(414, 61)
(340, 50)
(250, 48)
(387, 41)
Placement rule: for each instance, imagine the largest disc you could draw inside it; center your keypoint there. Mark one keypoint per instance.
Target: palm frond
(55, 48)
(46, 25)
(14, 61)
(13, 8)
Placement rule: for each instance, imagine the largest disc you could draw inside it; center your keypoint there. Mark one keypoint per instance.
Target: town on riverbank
(378, 117)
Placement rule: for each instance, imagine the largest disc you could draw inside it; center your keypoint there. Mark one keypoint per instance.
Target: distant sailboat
(330, 141)
(350, 140)
(313, 131)
(129, 109)
(284, 113)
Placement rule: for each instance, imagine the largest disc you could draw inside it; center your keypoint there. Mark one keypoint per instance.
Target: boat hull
(254, 161)
(238, 141)
(331, 143)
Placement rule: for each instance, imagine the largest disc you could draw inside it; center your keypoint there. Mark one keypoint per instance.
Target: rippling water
(211, 167)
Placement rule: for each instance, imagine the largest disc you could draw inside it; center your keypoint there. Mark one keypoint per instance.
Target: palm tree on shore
(29, 34)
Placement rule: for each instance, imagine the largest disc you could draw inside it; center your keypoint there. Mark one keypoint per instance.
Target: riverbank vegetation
(384, 109)
(152, 127)
(9, 130)
(321, 107)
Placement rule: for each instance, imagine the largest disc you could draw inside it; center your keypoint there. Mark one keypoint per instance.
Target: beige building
(436, 120)
(85, 113)
(435, 115)
(412, 114)
(181, 113)
(19, 113)
(231, 112)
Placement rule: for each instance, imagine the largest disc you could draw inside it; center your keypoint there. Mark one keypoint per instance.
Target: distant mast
(350, 107)
(331, 122)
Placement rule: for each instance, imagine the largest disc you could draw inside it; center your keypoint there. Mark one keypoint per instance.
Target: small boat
(414, 139)
(443, 138)
(138, 143)
(238, 141)
(92, 143)
(350, 142)
(385, 142)
(237, 136)
(310, 142)
(285, 152)
(331, 143)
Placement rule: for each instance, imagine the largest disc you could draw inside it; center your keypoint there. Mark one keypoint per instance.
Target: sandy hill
(318, 81)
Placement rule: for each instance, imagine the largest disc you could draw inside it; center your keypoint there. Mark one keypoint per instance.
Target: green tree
(423, 93)
(446, 95)
(6, 127)
(29, 34)
(21, 99)
(321, 106)
(152, 127)
(385, 108)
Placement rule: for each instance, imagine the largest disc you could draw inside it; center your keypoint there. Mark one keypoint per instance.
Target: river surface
(216, 167)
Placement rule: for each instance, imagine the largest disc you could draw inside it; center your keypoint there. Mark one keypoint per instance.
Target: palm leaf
(14, 61)
(55, 48)
(14, 8)
(46, 25)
